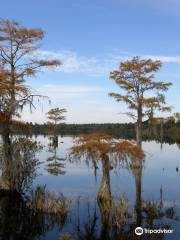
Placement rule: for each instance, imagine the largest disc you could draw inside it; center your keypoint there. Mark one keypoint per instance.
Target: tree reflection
(88, 225)
(84, 229)
(19, 220)
(26, 213)
(117, 219)
(136, 167)
(55, 164)
(110, 152)
(19, 163)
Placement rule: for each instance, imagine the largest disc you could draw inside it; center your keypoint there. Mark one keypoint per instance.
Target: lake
(149, 196)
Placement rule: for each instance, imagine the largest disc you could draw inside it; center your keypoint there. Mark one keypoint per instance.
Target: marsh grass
(42, 200)
(119, 211)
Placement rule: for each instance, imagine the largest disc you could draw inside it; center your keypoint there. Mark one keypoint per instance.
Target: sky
(91, 38)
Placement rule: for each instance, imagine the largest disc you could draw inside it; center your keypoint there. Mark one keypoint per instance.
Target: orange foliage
(17, 63)
(96, 146)
(135, 77)
(128, 149)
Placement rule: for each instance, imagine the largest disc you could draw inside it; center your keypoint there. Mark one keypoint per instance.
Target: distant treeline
(115, 129)
(166, 132)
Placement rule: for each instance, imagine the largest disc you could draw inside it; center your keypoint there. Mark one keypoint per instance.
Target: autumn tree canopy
(96, 146)
(142, 93)
(56, 115)
(110, 152)
(18, 62)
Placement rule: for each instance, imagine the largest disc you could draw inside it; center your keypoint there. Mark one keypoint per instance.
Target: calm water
(160, 184)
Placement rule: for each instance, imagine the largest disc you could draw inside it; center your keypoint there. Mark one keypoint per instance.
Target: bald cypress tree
(140, 91)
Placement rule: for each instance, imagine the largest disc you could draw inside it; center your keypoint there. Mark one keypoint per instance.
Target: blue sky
(91, 38)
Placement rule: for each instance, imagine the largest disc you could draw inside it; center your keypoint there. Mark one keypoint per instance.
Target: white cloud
(164, 59)
(73, 62)
(81, 100)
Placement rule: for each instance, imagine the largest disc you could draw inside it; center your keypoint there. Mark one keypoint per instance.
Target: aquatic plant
(45, 201)
(119, 211)
(19, 174)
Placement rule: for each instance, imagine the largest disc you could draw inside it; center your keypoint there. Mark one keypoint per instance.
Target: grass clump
(120, 211)
(42, 200)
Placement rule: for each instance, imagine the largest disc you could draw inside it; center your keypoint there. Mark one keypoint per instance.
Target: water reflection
(111, 153)
(121, 221)
(114, 214)
(55, 164)
(136, 167)
(84, 228)
(18, 220)
(26, 213)
(18, 163)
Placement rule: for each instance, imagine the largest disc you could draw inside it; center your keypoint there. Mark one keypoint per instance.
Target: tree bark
(7, 159)
(104, 193)
(104, 198)
(139, 126)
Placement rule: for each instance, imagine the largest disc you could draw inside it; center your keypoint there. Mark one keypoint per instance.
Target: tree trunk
(7, 159)
(105, 210)
(104, 193)
(139, 126)
(104, 198)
